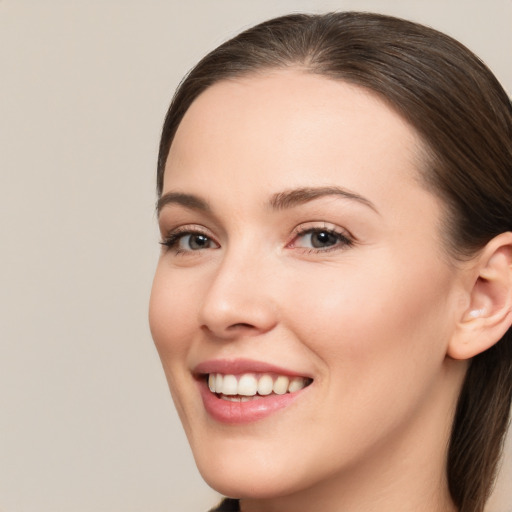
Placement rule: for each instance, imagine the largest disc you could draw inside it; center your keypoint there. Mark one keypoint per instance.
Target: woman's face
(302, 253)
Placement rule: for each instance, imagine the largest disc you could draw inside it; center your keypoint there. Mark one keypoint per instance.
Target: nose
(239, 299)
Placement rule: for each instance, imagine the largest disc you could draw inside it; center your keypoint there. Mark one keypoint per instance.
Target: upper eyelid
(187, 228)
(169, 224)
(309, 226)
(177, 214)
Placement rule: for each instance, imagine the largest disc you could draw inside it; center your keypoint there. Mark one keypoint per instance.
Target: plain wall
(86, 420)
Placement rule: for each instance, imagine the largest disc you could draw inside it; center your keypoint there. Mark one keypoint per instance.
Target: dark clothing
(227, 505)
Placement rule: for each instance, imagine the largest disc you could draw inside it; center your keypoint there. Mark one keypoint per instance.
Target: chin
(243, 486)
(248, 484)
(254, 472)
(239, 475)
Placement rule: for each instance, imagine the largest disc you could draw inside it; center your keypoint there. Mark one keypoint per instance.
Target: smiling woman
(334, 295)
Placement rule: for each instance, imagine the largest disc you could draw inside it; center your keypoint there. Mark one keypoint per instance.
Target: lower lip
(236, 413)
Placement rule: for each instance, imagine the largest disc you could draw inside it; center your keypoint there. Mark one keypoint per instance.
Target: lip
(236, 413)
(239, 366)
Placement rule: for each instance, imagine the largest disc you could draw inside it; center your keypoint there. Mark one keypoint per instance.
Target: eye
(194, 242)
(185, 240)
(321, 239)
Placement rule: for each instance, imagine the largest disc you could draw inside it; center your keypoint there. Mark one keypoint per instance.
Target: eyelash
(172, 240)
(344, 240)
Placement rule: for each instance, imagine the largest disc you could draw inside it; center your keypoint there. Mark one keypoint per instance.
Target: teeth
(240, 388)
(229, 385)
(232, 398)
(218, 381)
(247, 385)
(265, 385)
(296, 384)
(281, 385)
(239, 398)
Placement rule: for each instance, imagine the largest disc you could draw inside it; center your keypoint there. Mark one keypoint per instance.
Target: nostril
(230, 330)
(243, 325)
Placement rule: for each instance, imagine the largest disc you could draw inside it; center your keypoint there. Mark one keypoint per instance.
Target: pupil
(198, 242)
(323, 238)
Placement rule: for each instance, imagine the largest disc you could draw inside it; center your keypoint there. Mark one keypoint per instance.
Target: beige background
(86, 423)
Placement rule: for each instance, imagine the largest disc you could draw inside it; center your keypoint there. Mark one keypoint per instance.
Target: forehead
(292, 106)
(285, 129)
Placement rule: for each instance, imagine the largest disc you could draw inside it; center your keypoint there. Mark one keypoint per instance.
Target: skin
(370, 321)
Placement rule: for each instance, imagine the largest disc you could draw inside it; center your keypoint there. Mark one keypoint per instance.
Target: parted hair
(464, 118)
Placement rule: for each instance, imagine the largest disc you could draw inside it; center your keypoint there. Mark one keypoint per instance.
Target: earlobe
(489, 314)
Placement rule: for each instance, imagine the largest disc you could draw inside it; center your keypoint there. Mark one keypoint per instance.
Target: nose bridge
(239, 296)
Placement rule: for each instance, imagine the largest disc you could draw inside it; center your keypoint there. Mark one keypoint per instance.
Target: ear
(489, 314)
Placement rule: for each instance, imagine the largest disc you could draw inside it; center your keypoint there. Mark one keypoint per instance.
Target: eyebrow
(189, 201)
(279, 201)
(298, 196)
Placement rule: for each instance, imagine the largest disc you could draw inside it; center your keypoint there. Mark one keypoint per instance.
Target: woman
(333, 302)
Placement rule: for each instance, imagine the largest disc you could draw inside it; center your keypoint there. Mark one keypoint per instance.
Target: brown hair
(465, 120)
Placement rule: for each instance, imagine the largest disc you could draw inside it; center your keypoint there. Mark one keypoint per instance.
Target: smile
(250, 386)
(243, 391)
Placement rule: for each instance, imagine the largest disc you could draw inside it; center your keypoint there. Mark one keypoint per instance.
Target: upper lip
(239, 366)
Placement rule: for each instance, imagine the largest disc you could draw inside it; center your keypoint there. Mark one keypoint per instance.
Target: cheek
(381, 347)
(380, 323)
(170, 316)
(171, 323)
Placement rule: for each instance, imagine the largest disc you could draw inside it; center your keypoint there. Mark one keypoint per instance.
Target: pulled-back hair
(463, 116)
